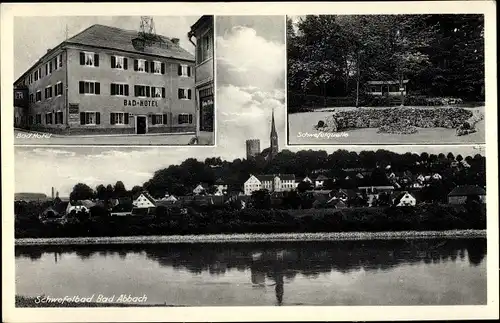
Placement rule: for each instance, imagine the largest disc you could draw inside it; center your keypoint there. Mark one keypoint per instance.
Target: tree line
(179, 180)
(441, 55)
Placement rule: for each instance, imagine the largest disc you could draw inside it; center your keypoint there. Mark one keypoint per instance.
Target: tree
(450, 156)
(304, 186)
(110, 193)
(261, 199)
(136, 190)
(81, 192)
(101, 192)
(119, 190)
(459, 158)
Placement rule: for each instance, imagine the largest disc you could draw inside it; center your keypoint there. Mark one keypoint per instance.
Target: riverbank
(224, 238)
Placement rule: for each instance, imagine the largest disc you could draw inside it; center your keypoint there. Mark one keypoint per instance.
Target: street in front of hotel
(40, 138)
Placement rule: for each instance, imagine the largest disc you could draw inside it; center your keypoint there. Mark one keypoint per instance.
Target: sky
(250, 58)
(33, 36)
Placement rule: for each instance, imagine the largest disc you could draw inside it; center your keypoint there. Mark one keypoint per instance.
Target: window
(204, 47)
(30, 120)
(32, 98)
(185, 118)
(48, 118)
(139, 65)
(159, 119)
(38, 96)
(142, 91)
(118, 118)
(119, 62)
(38, 119)
(157, 67)
(184, 70)
(59, 117)
(119, 89)
(89, 87)
(89, 59)
(184, 94)
(39, 73)
(58, 89)
(56, 64)
(36, 75)
(48, 92)
(157, 92)
(60, 60)
(46, 68)
(50, 67)
(90, 118)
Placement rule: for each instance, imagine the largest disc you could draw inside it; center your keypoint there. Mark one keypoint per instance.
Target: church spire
(273, 137)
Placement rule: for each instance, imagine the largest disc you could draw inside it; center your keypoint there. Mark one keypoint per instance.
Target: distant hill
(30, 196)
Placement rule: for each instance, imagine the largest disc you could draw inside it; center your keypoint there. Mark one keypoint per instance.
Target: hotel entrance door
(141, 125)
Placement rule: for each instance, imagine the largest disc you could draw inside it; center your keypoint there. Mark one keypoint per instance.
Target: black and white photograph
(114, 80)
(386, 79)
(211, 228)
(204, 162)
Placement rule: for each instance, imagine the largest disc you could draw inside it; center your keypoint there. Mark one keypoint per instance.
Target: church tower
(274, 139)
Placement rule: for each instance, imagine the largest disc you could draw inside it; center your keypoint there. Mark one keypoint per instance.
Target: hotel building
(110, 80)
(203, 32)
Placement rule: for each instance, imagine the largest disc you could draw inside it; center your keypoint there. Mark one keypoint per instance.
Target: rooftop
(101, 36)
(466, 190)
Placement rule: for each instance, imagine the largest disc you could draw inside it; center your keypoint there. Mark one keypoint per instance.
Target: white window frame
(184, 114)
(157, 90)
(60, 60)
(123, 88)
(184, 70)
(92, 58)
(36, 100)
(185, 93)
(157, 64)
(51, 94)
(122, 60)
(123, 118)
(95, 116)
(57, 86)
(156, 121)
(143, 65)
(93, 83)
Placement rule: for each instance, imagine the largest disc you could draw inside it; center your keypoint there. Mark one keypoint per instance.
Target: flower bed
(398, 120)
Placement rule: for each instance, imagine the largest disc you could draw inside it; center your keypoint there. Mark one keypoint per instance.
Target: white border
(306, 313)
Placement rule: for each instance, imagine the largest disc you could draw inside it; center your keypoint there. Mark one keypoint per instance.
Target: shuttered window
(90, 118)
(89, 59)
(89, 87)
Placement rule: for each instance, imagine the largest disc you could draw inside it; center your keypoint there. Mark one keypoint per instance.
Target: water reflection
(274, 265)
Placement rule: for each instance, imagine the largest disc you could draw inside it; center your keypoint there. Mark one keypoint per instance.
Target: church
(273, 150)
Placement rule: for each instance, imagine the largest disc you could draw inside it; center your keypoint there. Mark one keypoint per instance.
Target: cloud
(248, 60)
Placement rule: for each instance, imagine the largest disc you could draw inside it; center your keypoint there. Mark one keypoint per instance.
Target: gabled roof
(466, 190)
(146, 195)
(220, 181)
(121, 39)
(321, 178)
(348, 192)
(400, 196)
(265, 178)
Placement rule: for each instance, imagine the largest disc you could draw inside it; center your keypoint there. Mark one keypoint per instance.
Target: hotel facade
(110, 80)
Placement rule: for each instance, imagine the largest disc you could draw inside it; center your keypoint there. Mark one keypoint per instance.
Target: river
(370, 272)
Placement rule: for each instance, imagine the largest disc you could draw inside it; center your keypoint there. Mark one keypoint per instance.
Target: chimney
(175, 41)
(49, 49)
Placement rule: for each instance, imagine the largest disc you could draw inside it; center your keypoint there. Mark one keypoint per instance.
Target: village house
(200, 189)
(272, 183)
(320, 181)
(78, 206)
(460, 194)
(143, 204)
(221, 187)
(405, 199)
(386, 88)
